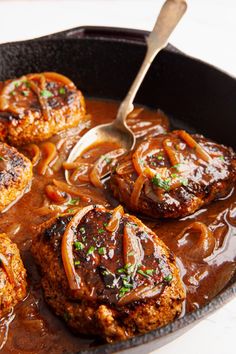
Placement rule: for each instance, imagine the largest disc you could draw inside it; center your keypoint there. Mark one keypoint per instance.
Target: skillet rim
(137, 36)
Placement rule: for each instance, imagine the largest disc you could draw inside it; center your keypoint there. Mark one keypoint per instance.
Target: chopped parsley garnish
(25, 93)
(76, 263)
(62, 90)
(168, 278)
(221, 158)
(46, 94)
(140, 271)
(27, 84)
(101, 231)
(174, 175)
(2, 158)
(79, 246)
(71, 210)
(162, 183)
(82, 230)
(184, 181)
(123, 291)
(105, 224)
(73, 201)
(17, 84)
(91, 250)
(159, 157)
(12, 93)
(121, 270)
(127, 284)
(102, 250)
(149, 271)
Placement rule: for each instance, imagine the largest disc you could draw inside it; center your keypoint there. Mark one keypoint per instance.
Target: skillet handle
(100, 32)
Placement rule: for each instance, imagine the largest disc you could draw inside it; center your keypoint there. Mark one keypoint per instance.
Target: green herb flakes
(62, 91)
(82, 230)
(73, 201)
(91, 250)
(168, 278)
(46, 94)
(79, 246)
(101, 231)
(161, 183)
(102, 250)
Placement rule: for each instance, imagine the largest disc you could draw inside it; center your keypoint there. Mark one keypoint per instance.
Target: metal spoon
(118, 131)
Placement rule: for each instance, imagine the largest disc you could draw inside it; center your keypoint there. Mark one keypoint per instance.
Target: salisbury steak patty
(15, 174)
(174, 174)
(37, 106)
(12, 275)
(107, 274)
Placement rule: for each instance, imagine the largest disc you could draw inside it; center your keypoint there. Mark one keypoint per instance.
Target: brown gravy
(32, 327)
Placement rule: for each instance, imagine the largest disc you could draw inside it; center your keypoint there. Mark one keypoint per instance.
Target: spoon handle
(169, 16)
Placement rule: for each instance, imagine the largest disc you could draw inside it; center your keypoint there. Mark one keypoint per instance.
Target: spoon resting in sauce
(118, 131)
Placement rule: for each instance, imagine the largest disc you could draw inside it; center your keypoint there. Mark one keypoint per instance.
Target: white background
(207, 31)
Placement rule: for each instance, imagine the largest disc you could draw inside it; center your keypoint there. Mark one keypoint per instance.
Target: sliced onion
(205, 243)
(54, 194)
(125, 168)
(85, 194)
(67, 248)
(35, 153)
(173, 157)
(95, 174)
(49, 153)
(137, 189)
(114, 222)
(200, 151)
(141, 293)
(8, 269)
(132, 248)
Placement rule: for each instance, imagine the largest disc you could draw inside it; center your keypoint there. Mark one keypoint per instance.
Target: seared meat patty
(107, 274)
(37, 106)
(12, 275)
(15, 174)
(174, 175)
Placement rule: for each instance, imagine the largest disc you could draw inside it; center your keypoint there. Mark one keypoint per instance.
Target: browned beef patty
(174, 174)
(15, 174)
(12, 275)
(107, 274)
(37, 106)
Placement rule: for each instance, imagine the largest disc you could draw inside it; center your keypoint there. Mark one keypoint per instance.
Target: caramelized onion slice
(125, 168)
(49, 153)
(114, 222)
(200, 151)
(171, 153)
(67, 247)
(132, 248)
(95, 174)
(35, 153)
(141, 293)
(85, 194)
(141, 167)
(137, 189)
(54, 194)
(205, 243)
(7, 267)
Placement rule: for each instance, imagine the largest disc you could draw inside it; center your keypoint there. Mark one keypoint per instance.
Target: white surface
(207, 31)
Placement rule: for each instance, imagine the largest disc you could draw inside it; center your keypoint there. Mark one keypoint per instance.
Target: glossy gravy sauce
(32, 327)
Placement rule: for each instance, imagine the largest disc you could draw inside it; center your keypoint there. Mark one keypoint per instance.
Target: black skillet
(103, 62)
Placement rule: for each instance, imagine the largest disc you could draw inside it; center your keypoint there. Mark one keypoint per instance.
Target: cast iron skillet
(103, 62)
